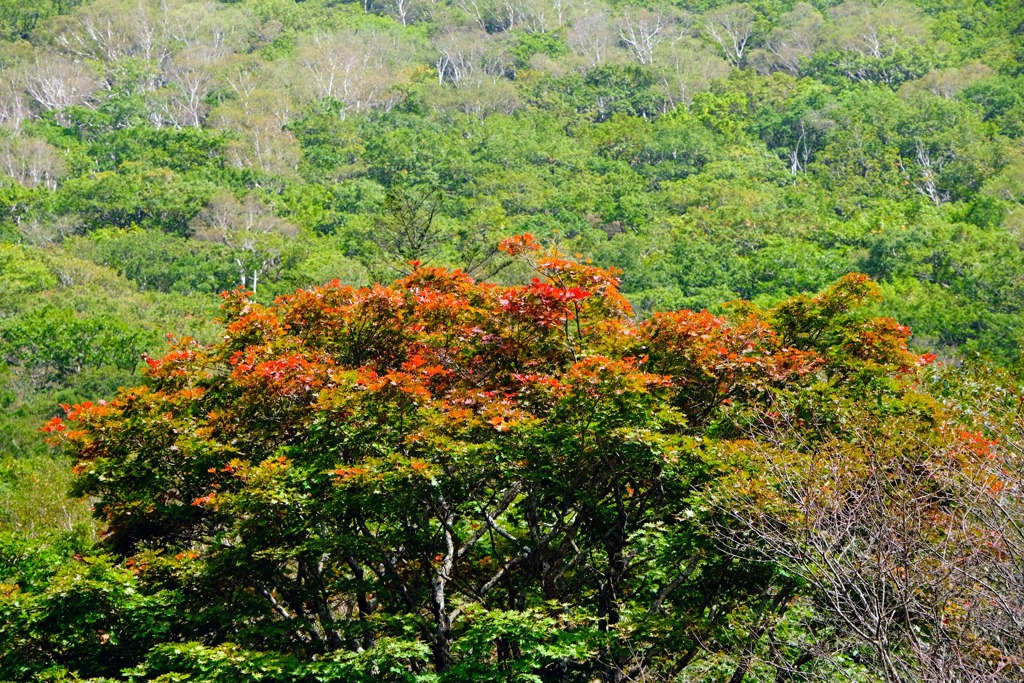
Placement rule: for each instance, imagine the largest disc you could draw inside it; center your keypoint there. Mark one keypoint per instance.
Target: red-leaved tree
(487, 482)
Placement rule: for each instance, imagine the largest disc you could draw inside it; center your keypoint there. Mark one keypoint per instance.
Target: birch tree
(256, 236)
(55, 82)
(31, 162)
(731, 27)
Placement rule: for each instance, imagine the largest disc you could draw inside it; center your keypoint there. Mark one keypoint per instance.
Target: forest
(511, 340)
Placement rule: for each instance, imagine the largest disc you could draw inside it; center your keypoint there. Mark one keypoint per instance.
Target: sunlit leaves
(439, 459)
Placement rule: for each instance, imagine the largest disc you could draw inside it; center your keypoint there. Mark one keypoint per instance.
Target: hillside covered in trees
(249, 511)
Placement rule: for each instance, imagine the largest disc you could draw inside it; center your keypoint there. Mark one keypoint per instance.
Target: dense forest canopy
(155, 153)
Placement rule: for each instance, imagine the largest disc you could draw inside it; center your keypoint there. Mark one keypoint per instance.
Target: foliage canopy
(450, 480)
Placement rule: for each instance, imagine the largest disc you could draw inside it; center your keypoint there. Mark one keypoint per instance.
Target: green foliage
(529, 44)
(390, 661)
(62, 610)
(132, 196)
(21, 275)
(159, 262)
(53, 343)
(602, 92)
(34, 498)
(536, 641)
(18, 20)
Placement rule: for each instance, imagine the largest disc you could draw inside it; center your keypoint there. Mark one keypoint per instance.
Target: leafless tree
(731, 27)
(537, 16)
(110, 30)
(402, 10)
(337, 66)
(641, 31)
(813, 127)
(191, 77)
(259, 119)
(192, 23)
(32, 162)
(360, 69)
(1008, 185)
(46, 229)
(14, 104)
(458, 54)
(948, 83)
(800, 33)
(463, 54)
(925, 176)
(55, 82)
(477, 95)
(686, 67)
(479, 10)
(534, 16)
(250, 229)
(910, 548)
(97, 32)
(243, 75)
(594, 37)
(233, 29)
(876, 30)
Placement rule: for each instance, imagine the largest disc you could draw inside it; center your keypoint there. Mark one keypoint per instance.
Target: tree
(190, 76)
(262, 142)
(31, 162)
(133, 197)
(686, 67)
(478, 95)
(358, 69)
(534, 16)
(877, 31)
(907, 538)
(256, 236)
(884, 44)
(161, 262)
(18, 20)
(800, 33)
(14, 101)
(403, 10)
(641, 31)
(406, 230)
(463, 54)
(112, 30)
(731, 27)
(498, 475)
(955, 153)
(55, 82)
(69, 610)
(50, 344)
(592, 36)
